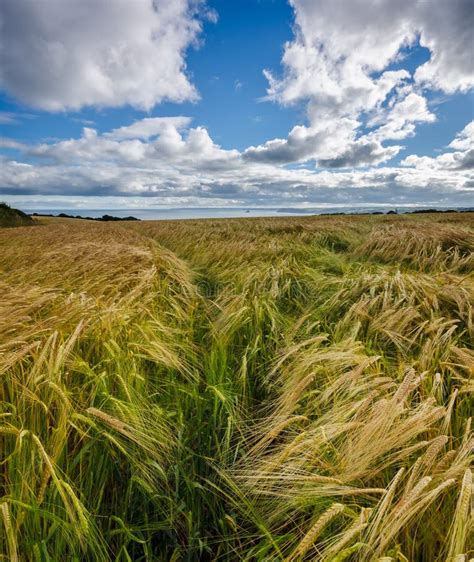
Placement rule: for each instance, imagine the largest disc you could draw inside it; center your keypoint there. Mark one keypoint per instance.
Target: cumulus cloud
(446, 30)
(181, 165)
(333, 145)
(361, 153)
(150, 142)
(148, 127)
(64, 54)
(461, 159)
(339, 65)
(337, 50)
(399, 119)
(302, 144)
(464, 140)
(446, 161)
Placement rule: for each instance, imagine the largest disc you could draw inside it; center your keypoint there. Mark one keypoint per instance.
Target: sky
(127, 104)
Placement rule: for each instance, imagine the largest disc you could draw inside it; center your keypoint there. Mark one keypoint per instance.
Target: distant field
(242, 389)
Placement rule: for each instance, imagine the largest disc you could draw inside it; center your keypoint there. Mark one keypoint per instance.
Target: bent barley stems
(243, 389)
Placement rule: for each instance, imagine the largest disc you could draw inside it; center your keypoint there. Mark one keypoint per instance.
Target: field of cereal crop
(242, 389)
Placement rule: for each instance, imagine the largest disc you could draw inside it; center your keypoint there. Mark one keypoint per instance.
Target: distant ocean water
(164, 214)
(214, 212)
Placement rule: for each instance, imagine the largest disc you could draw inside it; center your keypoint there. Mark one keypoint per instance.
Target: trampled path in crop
(242, 389)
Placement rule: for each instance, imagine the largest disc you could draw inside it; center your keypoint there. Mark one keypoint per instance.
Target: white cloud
(10, 143)
(363, 152)
(464, 139)
(446, 161)
(446, 30)
(339, 65)
(149, 127)
(7, 118)
(183, 166)
(461, 159)
(65, 54)
(151, 142)
(401, 117)
(332, 143)
(339, 45)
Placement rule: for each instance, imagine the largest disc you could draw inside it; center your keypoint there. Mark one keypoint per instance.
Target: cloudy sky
(308, 103)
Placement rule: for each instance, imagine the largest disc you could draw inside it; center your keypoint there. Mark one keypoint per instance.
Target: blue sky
(227, 70)
(308, 103)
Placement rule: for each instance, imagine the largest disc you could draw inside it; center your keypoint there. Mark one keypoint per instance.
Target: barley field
(278, 389)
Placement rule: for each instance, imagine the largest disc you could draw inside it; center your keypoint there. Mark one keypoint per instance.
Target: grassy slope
(13, 217)
(249, 389)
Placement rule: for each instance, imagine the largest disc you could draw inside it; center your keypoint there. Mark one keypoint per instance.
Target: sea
(219, 212)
